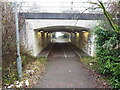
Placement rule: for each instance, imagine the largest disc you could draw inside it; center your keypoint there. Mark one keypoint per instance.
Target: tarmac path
(64, 70)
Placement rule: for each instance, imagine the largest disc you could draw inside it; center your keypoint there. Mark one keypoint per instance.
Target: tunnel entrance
(40, 38)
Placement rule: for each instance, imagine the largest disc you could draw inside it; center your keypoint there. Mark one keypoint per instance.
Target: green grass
(90, 62)
(42, 60)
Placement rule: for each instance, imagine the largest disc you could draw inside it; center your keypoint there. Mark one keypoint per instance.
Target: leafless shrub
(9, 54)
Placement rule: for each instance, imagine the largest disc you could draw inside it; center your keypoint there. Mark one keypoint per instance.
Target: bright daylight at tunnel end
(59, 44)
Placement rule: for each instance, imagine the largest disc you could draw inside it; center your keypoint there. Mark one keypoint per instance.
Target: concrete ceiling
(62, 29)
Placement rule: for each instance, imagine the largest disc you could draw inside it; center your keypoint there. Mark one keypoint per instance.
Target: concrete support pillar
(37, 44)
(47, 38)
(74, 38)
(42, 39)
(51, 37)
(69, 37)
(77, 38)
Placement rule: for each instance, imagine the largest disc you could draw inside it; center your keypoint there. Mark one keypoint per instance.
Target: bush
(108, 54)
(9, 55)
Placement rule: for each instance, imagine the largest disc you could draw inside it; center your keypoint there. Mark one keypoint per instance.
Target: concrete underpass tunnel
(78, 36)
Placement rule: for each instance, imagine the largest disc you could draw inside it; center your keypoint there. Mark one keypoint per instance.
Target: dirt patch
(33, 71)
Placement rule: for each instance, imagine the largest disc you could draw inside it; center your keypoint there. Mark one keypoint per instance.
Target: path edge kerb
(49, 51)
(75, 52)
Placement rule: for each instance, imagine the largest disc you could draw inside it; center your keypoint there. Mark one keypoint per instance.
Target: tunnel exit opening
(61, 37)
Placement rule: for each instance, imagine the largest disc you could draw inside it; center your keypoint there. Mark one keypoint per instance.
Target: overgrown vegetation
(108, 49)
(34, 70)
(90, 62)
(9, 55)
(9, 68)
(108, 54)
(92, 65)
(10, 73)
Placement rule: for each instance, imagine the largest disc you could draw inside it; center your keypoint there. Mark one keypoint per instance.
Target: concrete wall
(41, 41)
(80, 40)
(33, 41)
(41, 23)
(27, 37)
(84, 41)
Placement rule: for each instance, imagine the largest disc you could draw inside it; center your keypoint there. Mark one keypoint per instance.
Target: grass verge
(91, 64)
(32, 68)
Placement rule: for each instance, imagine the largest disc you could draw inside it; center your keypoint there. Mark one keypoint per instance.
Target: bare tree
(114, 9)
(9, 54)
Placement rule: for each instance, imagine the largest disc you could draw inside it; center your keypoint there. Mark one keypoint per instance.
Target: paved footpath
(64, 70)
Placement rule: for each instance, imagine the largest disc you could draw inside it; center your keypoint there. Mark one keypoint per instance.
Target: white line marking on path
(64, 52)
